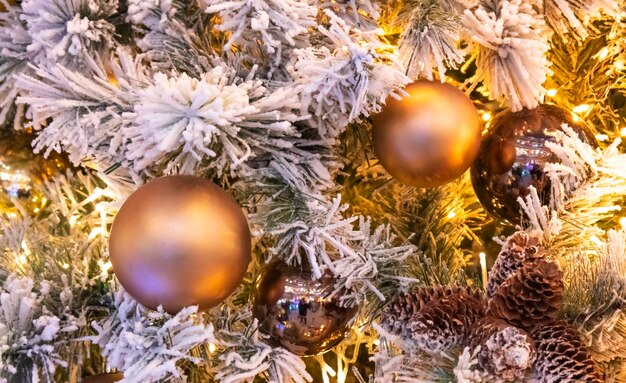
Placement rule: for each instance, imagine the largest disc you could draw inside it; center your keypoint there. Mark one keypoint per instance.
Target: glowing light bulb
(623, 132)
(596, 240)
(619, 65)
(451, 214)
(483, 268)
(582, 108)
(212, 348)
(604, 53)
(622, 222)
(486, 116)
(551, 92)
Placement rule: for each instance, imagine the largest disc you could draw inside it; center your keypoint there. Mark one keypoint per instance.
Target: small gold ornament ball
(104, 378)
(180, 241)
(429, 137)
(22, 171)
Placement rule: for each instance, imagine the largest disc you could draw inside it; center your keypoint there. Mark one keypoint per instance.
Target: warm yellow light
(73, 220)
(65, 266)
(212, 348)
(602, 137)
(486, 116)
(94, 233)
(575, 117)
(604, 53)
(21, 259)
(619, 65)
(451, 214)
(582, 108)
(483, 268)
(551, 92)
(106, 267)
(36, 210)
(623, 132)
(622, 222)
(596, 240)
(25, 248)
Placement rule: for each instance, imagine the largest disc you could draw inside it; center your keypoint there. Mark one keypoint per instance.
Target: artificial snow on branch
(213, 117)
(430, 38)
(566, 16)
(596, 297)
(347, 79)
(509, 44)
(271, 24)
(148, 345)
(245, 355)
(345, 246)
(69, 31)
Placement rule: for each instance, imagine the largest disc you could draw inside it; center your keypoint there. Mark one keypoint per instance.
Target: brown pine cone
(530, 297)
(561, 356)
(405, 305)
(518, 249)
(506, 352)
(445, 323)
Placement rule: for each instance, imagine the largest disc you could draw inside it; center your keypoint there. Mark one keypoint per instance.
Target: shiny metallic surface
(513, 155)
(179, 241)
(298, 313)
(429, 137)
(21, 170)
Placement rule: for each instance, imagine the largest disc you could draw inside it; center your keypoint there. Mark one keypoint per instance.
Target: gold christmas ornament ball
(104, 378)
(180, 241)
(22, 171)
(298, 313)
(429, 137)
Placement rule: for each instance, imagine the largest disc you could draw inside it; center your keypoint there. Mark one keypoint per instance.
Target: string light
(551, 92)
(212, 348)
(604, 53)
(486, 116)
(619, 65)
(623, 132)
(582, 108)
(451, 214)
(622, 222)
(483, 268)
(596, 240)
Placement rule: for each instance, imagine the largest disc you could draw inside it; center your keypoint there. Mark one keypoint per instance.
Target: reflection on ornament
(22, 171)
(180, 241)
(429, 137)
(513, 155)
(298, 313)
(15, 184)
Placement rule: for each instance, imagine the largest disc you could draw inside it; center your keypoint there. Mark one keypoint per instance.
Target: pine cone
(530, 297)
(518, 249)
(561, 356)
(404, 306)
(445, 323)
(506, 352)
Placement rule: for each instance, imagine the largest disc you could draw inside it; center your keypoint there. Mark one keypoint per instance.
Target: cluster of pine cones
(515, 325)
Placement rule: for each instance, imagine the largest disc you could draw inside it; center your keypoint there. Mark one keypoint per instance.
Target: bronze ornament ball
(180, 241)
(429, 137)
(513, 155)
(299, 313)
